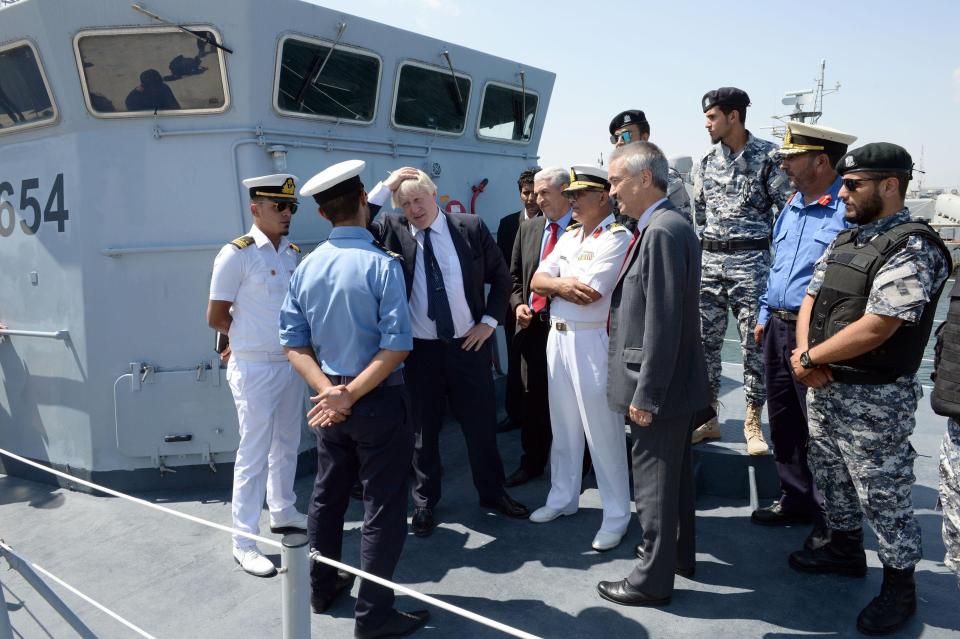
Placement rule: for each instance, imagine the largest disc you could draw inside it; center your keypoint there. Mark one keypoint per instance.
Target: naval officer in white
(250, 279)
(579, 275)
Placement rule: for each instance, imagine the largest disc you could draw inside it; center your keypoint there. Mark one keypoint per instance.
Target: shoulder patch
(616, 227)
(243, 242)
(573, 226)
(389, 253)
(294, 247)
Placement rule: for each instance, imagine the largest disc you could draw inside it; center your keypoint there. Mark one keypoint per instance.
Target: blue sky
(898, 66)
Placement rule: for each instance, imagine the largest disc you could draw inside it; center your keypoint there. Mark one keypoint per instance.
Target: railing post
(295, 575)
(6, 630)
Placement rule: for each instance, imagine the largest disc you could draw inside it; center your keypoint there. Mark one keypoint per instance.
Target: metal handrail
(314, 555)
(64, 334)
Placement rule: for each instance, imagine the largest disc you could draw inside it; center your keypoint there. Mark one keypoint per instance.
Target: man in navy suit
(448, 261)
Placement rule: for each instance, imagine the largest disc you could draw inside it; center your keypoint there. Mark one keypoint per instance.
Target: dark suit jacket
(507, 233)
(656, 360)
(525, 259)
(480, 260)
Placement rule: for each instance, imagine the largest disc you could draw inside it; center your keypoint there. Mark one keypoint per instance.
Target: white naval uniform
(267, 391)
(577, 374)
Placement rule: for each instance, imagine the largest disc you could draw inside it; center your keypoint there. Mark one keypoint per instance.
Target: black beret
(725, 96)
(880, 157)
(632, 116)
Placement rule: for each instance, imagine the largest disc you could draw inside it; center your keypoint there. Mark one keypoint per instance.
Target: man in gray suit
(657, 373)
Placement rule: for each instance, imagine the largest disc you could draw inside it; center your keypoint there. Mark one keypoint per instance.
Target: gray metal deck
(177, 579)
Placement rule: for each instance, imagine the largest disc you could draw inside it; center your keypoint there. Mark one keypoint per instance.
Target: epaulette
(390, 253)
(573, 226)
(294, 247)
(243, 242)
(616, 227)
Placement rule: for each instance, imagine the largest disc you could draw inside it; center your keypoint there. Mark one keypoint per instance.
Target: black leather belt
(393, 379)
(784, 315)
(542, 316)
(728, 246)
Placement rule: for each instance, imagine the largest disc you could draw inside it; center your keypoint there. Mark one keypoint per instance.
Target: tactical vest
(945, 399)
(842, 300)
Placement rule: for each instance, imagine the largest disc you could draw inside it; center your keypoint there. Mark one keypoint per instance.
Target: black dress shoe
(775, 515)
(357, 491)
(521, 476)
(507, 505)
(398, 624)
(621, 592)
(422, 522)
(343, 583)
(683, 572)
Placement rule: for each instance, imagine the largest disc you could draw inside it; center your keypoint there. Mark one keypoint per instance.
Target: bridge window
(427, 99)
(507, 113)
(312, 82)
(151, 71)
(25, 99)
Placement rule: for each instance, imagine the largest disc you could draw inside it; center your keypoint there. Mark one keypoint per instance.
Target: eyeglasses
(623, 135)
(283, 206)
(852, 184)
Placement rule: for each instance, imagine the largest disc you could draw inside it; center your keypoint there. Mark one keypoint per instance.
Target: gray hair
(555, 176)
(643, 156)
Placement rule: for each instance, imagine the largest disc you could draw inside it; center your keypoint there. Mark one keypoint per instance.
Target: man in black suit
(535, 240)
(657, 374)
(448, 260)
(506, 234)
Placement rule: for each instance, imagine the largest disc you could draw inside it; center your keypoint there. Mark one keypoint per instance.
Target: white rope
(316, 556)
(270, 542)
(89, 600)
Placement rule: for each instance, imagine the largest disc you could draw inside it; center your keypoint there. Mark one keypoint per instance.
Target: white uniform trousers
(270, 408)
(577, 370)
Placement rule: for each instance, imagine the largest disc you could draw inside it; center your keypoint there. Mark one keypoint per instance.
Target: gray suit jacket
(656, 360)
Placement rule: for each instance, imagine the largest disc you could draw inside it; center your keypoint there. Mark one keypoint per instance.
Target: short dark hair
(340, 208)
(642, 127)
(834, 156)
(726, 109)
(526, 177)
(903, 181)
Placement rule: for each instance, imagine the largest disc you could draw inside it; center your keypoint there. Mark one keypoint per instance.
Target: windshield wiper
(317, 68)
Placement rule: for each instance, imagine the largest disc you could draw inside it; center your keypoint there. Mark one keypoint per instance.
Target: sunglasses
(852, 184)
(625, 136)
(284, 205)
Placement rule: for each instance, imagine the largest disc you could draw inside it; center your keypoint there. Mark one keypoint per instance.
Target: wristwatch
(805, 360)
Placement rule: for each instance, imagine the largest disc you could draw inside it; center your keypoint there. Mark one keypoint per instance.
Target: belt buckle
(724, 245)
(560, 326)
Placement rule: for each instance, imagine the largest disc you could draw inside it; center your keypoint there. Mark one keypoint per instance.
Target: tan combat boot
(752, 432)
(709, 429)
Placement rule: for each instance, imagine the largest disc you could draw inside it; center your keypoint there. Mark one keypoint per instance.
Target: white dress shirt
(255, 280)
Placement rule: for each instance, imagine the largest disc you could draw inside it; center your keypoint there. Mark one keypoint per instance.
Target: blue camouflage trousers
(736, 281)
(950, 495)
(860, 454)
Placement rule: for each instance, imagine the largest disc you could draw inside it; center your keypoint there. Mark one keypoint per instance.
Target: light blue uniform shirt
(800, 236)
(347, 300)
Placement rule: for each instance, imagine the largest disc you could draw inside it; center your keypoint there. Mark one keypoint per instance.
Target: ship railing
(295, 558)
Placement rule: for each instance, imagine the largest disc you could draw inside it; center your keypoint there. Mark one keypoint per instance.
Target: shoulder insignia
(389, 253)
(573, 226)
(243, 242)
(616, 227)
(294, 247)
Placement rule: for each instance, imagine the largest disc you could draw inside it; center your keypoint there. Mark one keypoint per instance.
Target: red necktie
(539, 302)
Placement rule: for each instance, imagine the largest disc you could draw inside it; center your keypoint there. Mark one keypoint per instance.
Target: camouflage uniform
(677, 194)
(950, 494)
(859, 447)
(733, 197)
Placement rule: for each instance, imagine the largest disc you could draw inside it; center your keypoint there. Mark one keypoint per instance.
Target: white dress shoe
(606, 540)
(253, 561)
(297, 523)
(545, 513)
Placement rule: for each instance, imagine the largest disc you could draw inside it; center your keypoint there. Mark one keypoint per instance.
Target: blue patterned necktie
(438, 307)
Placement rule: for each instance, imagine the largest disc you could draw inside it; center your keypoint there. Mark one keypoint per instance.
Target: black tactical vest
(945, 399)
(843, 298)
